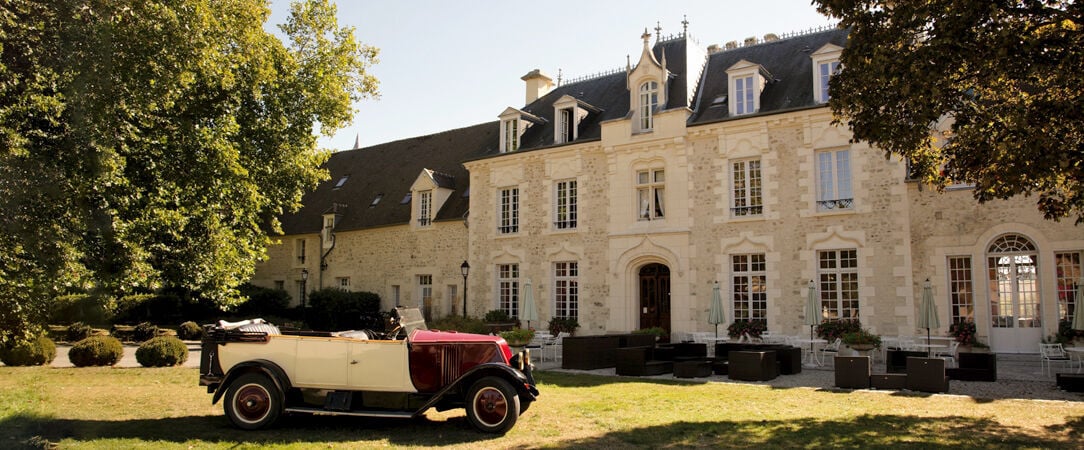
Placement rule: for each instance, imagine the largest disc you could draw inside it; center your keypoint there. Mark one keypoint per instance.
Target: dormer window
(747, 82)
(825, 65)
(510, 135)
(649, 100)
(513, 124)
(568, 112)
(425, 207)
(566, 126)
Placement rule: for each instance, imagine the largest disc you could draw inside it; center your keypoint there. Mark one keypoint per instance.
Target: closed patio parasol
(717, 315)
(927, 312)
(1078, 314)
(812, 312)
(527, 311)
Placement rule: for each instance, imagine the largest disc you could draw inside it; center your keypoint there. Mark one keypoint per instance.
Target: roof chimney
(538, 85)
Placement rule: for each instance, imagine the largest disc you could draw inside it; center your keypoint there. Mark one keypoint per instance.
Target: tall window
(280, 285)
(649, 99)
(748, 287)
(650, 190)
(746, 193)
(299, 251)
(508, 211)
(834, 180)
(425, 289)
(566, 289)
(508, 289)
(567, 126)
(395, 294)
(745, 95)
(837, 271)
(564, 208)
(961, 289)
(511, 135)
(1068, 273)
(425, 206)
(825, 71)
(1014, 283)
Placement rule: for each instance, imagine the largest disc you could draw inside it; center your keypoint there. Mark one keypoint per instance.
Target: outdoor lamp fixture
(304, 285)
(465, 270)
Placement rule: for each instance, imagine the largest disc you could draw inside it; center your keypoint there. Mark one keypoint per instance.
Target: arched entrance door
(655, 296)
(1015, 308)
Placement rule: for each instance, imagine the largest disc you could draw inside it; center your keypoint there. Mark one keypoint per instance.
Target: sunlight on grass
(105, 408)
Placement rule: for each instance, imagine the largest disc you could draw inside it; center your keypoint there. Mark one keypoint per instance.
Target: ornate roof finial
(658, 31)
(684, 24)
(558, 77)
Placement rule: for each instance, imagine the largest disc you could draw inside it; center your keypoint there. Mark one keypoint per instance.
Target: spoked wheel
(492, 405)
(253, 401)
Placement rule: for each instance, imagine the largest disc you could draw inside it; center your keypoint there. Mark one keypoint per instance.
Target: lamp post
(465, 270)
(304, 286)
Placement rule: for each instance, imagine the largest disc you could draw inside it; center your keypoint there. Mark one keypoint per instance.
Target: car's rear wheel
(253, 401)
(492, 405)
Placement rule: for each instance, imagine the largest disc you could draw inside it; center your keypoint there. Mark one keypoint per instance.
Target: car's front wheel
(492, 405)
(253, 401)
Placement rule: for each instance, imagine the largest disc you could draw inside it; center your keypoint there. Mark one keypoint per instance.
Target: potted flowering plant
(752, 327)
(963, 332)
(518, 337)
(861, 340)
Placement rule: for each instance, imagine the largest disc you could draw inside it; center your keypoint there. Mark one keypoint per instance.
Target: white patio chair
(1050, 354)
(830, 349)
(948, 355)
(557, 344)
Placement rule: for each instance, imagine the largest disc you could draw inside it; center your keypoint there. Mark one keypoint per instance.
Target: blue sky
(446, 65)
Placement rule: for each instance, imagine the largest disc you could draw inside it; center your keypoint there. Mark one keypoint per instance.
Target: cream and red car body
(262, 373)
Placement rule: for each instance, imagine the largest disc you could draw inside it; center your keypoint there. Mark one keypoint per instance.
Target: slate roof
(390, 169)
(787, 60)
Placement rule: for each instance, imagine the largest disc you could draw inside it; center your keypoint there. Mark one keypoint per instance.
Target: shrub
(496, 316)
(563, 324)
(459, 323)
(96, 351)
(145, 307)
(36, 352)
(144, 331)
(518, 336)
(162, 351)
(830, 330)
(78, 331)
(81, 308)
(753, 327)
(861, 337)
(263, 301)
(190, 331)
(336, 309)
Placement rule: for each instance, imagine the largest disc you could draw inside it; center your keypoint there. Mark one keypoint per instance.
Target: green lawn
(165, 408)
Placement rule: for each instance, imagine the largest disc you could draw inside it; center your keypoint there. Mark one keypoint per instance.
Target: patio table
(809, 352)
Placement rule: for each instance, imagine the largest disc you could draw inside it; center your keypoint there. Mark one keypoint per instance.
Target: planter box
(852, 372)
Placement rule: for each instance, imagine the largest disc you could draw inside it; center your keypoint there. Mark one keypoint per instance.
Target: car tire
(492, 405)
(253, 401)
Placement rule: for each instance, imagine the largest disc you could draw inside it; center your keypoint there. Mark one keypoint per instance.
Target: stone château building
(625, 197)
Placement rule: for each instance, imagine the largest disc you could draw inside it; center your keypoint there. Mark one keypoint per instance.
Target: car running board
(362, 413)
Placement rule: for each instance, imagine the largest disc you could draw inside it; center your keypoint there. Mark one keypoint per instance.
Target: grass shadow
(31, 431)
(867, 431)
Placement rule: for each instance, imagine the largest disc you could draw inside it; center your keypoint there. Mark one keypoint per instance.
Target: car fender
(272, 370)
(524, 385)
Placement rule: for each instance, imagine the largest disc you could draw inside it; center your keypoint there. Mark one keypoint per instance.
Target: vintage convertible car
(263, 373)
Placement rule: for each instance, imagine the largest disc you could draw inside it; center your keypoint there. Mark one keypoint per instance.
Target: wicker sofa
(599, 352)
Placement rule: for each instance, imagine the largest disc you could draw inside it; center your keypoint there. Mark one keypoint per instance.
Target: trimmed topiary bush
(459, 323)
(190, 331)
(79, 331)
(96, 351)
(162, 351)
(144, 331)
(37, 352)
(262, 302)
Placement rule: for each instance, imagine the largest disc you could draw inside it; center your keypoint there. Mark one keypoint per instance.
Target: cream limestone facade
(628, 220)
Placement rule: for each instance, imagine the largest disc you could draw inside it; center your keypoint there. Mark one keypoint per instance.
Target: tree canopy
(153, 143)
(971, 91)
